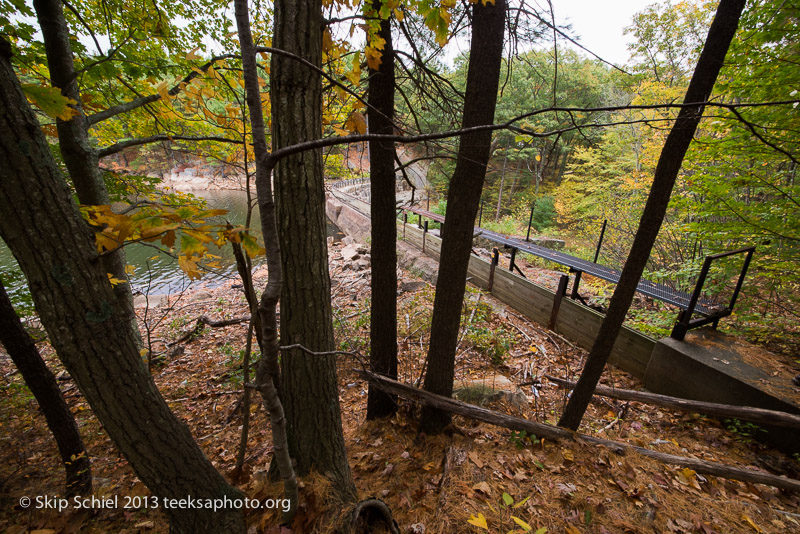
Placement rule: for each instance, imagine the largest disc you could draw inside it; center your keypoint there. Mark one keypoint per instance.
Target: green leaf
(508, 499)
(50, 101)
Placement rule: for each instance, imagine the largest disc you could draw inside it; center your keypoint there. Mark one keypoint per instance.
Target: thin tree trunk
(267, 371)
(308, 383)
(463, 196)
(42, 383)
(669, 164)
(383, 304)
(79, 157)
(500, 191)
(86, 324)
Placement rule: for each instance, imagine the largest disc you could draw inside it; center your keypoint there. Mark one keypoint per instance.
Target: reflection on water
(156, 273)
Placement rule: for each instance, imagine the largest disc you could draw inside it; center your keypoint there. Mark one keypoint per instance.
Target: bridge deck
(657, 291)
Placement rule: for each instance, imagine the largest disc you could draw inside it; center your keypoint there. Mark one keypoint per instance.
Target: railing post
(600, 241)
(560, 292)
(574, 295)
(424, 235)
(742, 274)
(513, 258)
(530, 222)
(685, 317)
(493, 266)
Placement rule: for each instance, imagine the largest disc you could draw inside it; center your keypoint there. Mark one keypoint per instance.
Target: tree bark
(669, 164)
(86, 323)
(267, 371)
(42, 383)
(80, 158)
(308, 383)
(383, 304)
(463, 196)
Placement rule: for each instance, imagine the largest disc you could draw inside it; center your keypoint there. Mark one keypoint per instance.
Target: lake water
(158, 274)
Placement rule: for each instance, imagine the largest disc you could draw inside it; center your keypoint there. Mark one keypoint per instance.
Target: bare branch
(122, 145)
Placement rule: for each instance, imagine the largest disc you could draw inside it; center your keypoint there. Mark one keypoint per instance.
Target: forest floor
(476, 474)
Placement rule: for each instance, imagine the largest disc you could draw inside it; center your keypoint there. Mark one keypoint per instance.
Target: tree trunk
(267, 372)
(308, 383)
(463, 196)
(669, 164)
(79, 157)
(383, 304)
(42, 383)
(86, 323)
(502, 185)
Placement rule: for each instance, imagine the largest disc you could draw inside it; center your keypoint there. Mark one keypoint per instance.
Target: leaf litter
(475, 478)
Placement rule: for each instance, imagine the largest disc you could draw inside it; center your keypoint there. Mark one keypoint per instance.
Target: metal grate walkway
(661, 292)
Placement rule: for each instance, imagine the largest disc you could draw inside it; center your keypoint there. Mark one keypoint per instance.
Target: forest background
(580, 144)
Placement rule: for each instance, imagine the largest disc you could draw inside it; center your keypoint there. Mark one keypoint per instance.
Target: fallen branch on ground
(746, 413)
(556, 433)
(205, 321)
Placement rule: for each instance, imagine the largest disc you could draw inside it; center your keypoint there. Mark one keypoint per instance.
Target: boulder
(351, 252)
(482, 391)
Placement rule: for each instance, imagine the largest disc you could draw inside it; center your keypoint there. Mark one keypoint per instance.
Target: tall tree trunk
(383, 304)
(267, 371)
(308, 383)
(79, 157)
(669, 164)
(463, 196)
(86, 324)
(42, 383)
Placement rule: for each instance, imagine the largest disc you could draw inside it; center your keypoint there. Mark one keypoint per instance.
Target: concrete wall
(575, 321)
(349, 220)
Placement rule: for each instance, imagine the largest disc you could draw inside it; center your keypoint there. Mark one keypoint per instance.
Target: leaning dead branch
(746, 413)
(556, 433)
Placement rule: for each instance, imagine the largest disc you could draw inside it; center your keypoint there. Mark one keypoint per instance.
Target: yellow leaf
(572, 530)
(327, 40)
(189, 266)
(193, 54)
(104, 242)
(525, 526)
(479, 521)
(374, 57)
(567, 454)
(162, 90)
(750, 522)
(143, 352)
(542, 530)
(114, 281)
(398, 14)
(151, 233)
(50, 101)
(356, 123)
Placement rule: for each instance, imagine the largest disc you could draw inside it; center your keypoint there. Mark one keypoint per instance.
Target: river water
(158, 274)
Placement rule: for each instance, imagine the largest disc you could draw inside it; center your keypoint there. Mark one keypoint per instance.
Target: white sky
(599, 24)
